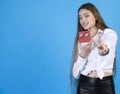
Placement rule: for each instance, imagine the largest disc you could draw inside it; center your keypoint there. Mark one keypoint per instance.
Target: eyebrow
(84, 14)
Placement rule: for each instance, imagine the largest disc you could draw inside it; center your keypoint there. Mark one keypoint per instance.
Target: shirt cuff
(82, 59)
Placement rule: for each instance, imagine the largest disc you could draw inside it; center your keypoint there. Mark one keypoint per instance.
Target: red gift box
(84, 36)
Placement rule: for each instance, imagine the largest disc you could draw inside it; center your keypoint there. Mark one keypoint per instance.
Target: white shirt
(95, 61)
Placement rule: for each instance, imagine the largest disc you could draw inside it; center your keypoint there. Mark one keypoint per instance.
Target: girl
(93, 62)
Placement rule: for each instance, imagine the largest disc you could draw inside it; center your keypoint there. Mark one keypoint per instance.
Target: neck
(93, 31)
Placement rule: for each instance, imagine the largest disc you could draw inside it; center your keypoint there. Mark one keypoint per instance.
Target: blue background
(36, 43)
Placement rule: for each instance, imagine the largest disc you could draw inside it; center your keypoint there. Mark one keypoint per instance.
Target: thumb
(95, 43)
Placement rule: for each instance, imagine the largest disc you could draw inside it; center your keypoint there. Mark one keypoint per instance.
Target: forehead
(84, 11)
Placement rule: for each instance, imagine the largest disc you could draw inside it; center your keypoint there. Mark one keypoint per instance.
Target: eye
(80, 17)
(86, 16)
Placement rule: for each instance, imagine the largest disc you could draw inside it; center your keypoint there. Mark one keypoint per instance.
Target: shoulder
(110, 32)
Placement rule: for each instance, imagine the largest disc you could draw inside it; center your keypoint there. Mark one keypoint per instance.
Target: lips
(85, 24)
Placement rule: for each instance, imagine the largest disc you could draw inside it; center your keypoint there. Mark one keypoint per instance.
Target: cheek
(80, 21)
(93, 21)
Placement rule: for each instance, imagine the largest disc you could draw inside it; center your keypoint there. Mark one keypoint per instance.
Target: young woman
(93, 62)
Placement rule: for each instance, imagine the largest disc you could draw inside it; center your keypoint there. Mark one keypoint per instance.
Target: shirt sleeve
(110, 39)
(78, 65)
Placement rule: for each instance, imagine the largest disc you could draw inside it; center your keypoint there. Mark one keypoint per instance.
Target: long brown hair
(99, 24)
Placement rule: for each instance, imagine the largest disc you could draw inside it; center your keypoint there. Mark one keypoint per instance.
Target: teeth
(85, 24)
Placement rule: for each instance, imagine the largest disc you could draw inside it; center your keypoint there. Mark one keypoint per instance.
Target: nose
(82, 20)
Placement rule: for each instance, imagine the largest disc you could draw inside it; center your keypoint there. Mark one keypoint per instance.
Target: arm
(79, 64)
(110, 39)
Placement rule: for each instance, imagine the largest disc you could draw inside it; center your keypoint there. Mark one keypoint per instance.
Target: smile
(85, 24)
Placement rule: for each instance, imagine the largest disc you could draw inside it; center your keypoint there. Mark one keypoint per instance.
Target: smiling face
(87, 19)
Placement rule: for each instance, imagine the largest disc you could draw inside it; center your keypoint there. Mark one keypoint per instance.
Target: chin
(86, 28)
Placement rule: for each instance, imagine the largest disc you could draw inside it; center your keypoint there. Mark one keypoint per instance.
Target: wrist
(105, 52)
(83, 56)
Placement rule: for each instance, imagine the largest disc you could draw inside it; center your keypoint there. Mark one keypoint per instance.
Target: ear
(96, 19)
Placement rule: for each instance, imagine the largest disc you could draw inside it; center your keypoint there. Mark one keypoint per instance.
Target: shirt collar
(99, 31)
